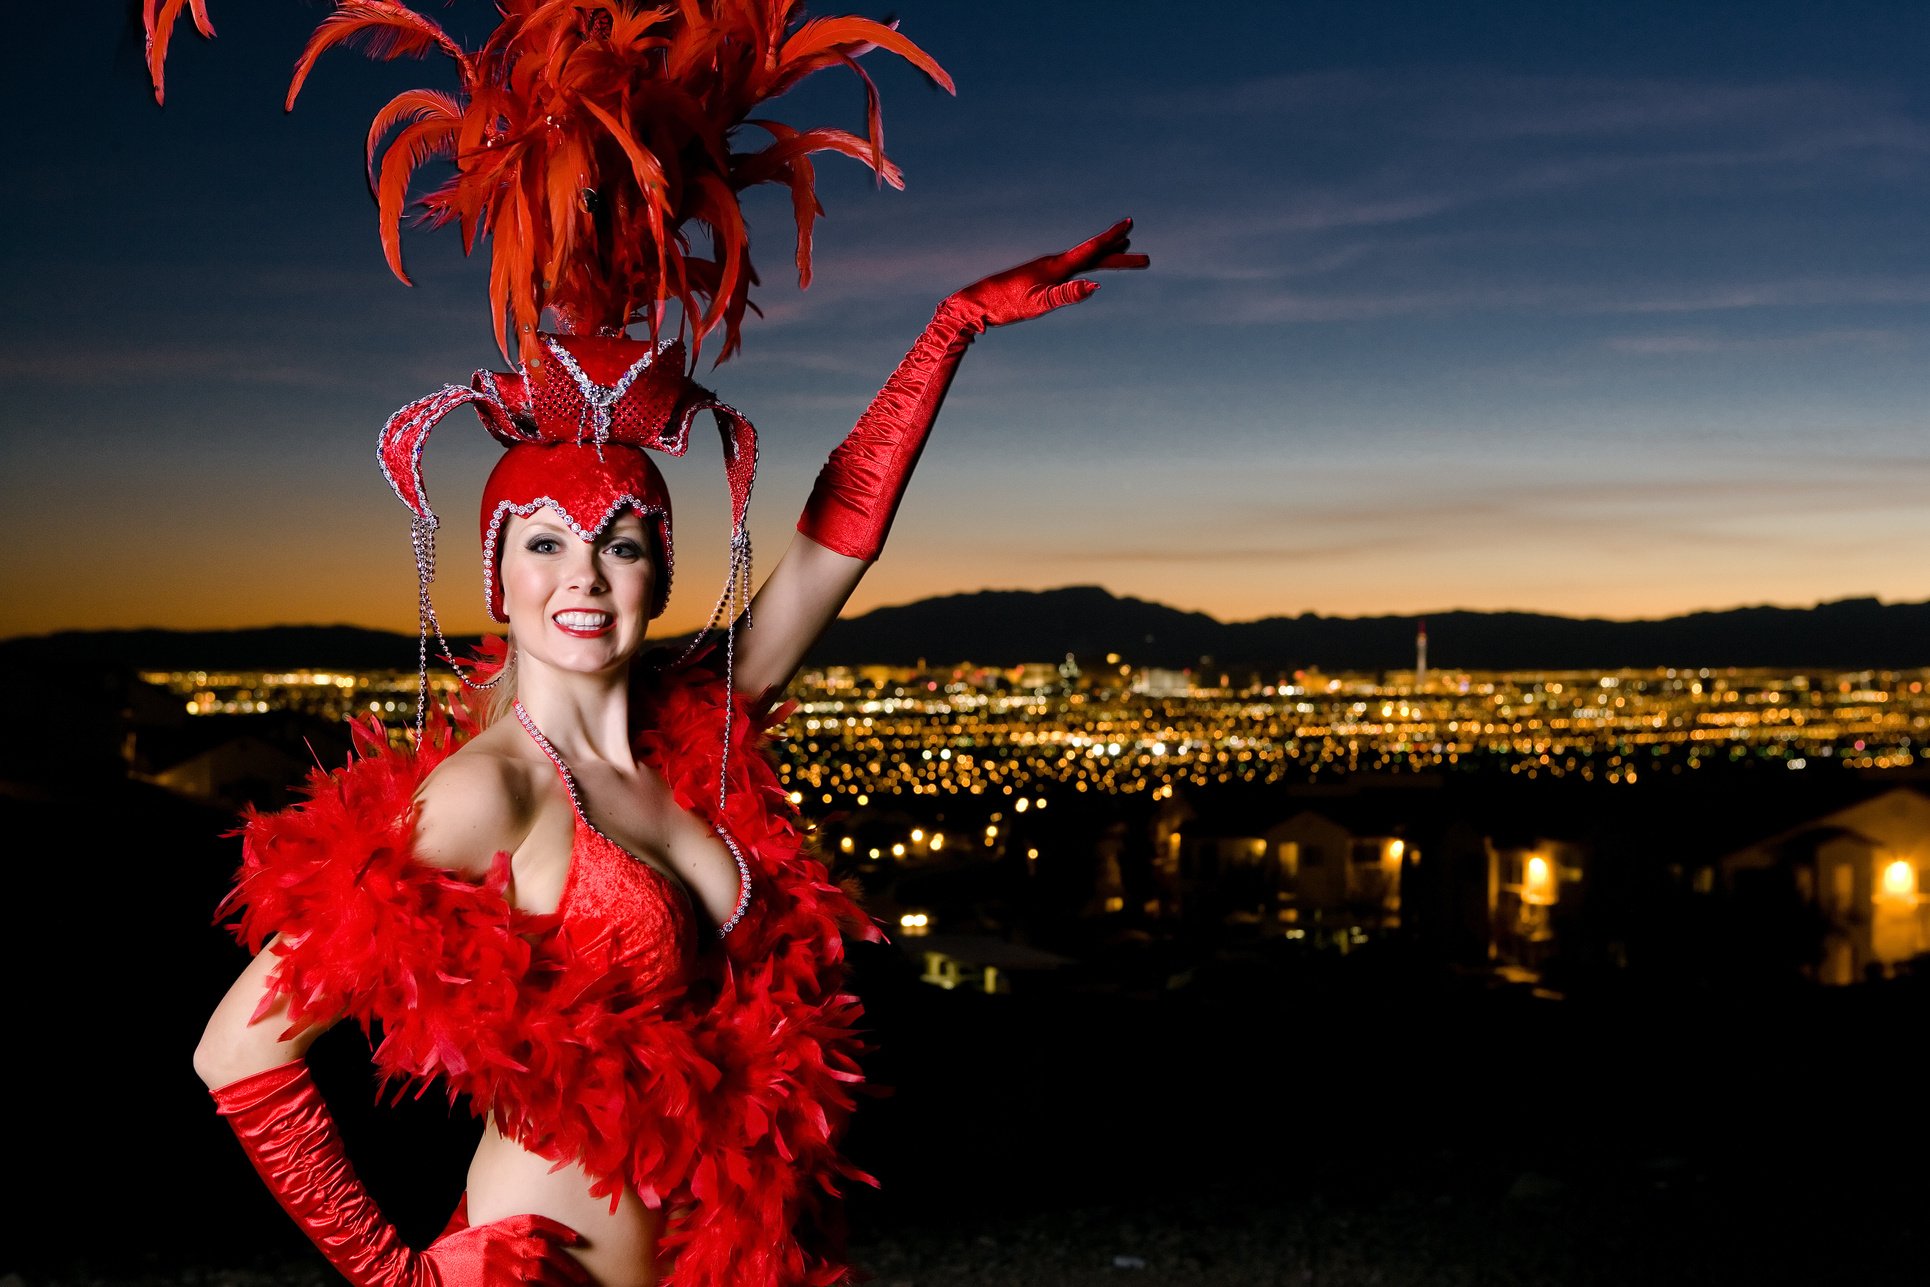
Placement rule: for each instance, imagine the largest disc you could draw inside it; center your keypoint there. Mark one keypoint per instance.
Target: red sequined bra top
(621, 908)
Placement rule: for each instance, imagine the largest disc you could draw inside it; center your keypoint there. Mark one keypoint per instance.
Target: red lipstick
(584, 623)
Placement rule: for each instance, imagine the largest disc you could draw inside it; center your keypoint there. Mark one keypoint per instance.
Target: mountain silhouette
(1006, 627)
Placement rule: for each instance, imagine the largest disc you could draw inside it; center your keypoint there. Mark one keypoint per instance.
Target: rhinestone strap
(576, 803)
(743, 882)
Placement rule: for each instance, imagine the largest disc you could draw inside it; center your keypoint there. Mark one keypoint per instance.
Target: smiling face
(574, 604)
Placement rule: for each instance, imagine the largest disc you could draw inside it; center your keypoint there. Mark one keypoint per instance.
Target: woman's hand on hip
(516, 1249)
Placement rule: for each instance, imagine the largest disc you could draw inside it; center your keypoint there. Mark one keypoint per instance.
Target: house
(1532, 888)
(1303, 876)
(235, 771)
(1859, 874)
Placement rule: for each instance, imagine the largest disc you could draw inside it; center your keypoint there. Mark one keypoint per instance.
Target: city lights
(973, 734)
(387, 694)
(868, 734)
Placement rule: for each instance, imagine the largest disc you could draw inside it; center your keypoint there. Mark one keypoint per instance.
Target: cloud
(1805, 510)
(1476, 105)
(1257, 553)
(1270, 303)
(1699, 344)
(1574, 109)
(1353, 196)
(92, 366)
(1293, 94)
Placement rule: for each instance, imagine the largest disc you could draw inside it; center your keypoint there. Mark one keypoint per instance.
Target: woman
(562, 773)
(595, 916)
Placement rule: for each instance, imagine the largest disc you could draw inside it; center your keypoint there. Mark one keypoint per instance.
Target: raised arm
(844, 524)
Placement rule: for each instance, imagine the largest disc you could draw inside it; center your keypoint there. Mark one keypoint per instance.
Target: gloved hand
(1043, 284)
(516, 1249)
(860, 486)
(287, 1132)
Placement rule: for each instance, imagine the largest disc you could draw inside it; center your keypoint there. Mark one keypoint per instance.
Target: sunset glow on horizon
(1592, 314)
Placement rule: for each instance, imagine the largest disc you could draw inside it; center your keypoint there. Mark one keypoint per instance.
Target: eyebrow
(547, 526)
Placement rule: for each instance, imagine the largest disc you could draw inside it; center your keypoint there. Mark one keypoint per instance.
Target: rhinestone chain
(422, 537)
(576, 803)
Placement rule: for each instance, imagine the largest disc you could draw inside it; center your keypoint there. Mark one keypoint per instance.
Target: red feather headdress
(590, 137)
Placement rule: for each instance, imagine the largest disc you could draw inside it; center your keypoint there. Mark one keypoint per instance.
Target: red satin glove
(287, 1132)
(516, 1249)
(858, 491)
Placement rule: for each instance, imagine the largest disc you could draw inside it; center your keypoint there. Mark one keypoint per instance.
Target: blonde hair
(494, 703)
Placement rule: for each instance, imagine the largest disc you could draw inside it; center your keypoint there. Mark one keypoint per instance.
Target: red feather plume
(591, 140)
(158, 18)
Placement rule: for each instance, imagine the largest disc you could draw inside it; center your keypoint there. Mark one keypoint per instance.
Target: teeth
(583, 620)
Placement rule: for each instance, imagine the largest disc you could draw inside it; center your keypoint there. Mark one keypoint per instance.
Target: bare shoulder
(478, 802)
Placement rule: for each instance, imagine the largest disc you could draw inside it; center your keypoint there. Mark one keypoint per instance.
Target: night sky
(1613, 310)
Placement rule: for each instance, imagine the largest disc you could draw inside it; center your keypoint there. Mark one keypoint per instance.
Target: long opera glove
(858, 490)
(288, 1133)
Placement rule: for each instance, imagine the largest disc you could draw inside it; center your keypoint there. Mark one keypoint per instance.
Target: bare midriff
(618, 1248)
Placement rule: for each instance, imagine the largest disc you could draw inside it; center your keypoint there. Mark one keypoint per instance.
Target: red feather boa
(723, 1095)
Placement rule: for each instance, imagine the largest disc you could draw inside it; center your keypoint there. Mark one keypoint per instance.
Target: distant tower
(1420, 656)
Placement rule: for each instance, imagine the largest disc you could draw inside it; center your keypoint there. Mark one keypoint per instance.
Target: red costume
(586, 136)
(596, 1034)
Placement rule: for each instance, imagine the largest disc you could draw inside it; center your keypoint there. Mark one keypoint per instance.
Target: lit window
(1899, 879)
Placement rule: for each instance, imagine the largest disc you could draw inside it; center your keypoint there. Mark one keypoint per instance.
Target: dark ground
(1364, 1121)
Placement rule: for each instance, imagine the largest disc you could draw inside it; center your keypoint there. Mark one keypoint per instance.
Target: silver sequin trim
(505, 508)
(576, 803)
(600, 400)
